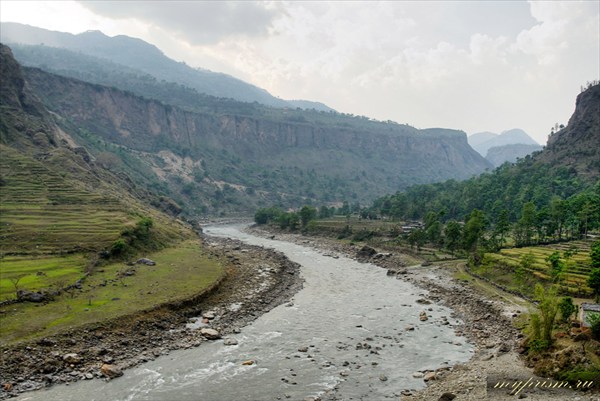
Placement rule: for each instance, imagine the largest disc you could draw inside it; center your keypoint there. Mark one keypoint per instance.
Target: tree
(556, 265)
(417, 237)
(567, 309)
(433, 228)
(307, 213)
(453, 234)
(15, 281)
(595, 254)
(548, 309)
(594, 282)
(473, 231)
(501, 229)
(527, 222)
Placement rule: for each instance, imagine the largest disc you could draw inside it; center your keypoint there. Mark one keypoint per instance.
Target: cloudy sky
(475, 66)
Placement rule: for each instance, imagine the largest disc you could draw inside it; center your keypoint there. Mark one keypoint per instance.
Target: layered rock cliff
(329, 161)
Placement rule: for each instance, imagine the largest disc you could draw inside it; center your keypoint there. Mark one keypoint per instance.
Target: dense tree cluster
(531, 201)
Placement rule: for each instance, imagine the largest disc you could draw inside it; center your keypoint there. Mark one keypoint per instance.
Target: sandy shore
(487, 324)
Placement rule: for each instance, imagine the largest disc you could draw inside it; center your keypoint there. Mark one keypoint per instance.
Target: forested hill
(559, 183)
(232, 159)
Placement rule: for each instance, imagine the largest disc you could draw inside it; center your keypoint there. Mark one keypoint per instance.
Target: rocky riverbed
(257, 280)
(488, 323)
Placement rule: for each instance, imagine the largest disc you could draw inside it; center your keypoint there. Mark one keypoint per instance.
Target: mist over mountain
(143, 58)
(483, 141)
(498, 155)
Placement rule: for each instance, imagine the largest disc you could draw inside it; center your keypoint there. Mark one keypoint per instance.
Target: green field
(503, 266)
(180, 273)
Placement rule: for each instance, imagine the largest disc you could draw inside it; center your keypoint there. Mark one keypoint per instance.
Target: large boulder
(210, 334)
(24, 295)
(366, 252)
(72, 358)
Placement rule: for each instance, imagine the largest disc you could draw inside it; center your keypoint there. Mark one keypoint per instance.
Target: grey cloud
(197, 22)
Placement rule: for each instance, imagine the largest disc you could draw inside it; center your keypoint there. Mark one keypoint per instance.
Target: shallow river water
(350, 316)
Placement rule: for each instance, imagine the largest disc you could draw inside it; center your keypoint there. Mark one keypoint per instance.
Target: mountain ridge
(145, 57)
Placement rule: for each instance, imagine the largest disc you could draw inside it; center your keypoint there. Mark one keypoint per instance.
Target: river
(346, 329)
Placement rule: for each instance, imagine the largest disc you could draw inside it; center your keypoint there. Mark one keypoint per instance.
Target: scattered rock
(209, 315)
(111, 371)
(366, 252)
(383, 378)
(418, 375)
(210, 334)
(230, 341)
(29, 296)
(303, 349)
(249, 362)
(430, 376)
(72, 358)
(447, 397)
(145, 261)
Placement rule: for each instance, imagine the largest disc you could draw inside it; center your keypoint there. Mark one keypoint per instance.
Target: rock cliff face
(270, 156)
(577, 145)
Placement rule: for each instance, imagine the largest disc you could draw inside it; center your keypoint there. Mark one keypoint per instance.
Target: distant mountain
(483, 141)
(498, 155)
(142, 58)
(480, 138)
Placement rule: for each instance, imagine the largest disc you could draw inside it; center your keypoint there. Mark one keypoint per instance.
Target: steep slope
(218, 161)
(578, 144)
(483, 141)
(498, 155)
(54, 198)
(143, 58)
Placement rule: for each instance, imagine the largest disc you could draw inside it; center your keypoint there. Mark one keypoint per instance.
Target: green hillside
(67, 225)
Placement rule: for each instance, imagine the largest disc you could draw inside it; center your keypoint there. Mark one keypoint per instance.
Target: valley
(387, 261)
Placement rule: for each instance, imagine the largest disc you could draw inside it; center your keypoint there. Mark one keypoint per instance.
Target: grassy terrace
(179, 273)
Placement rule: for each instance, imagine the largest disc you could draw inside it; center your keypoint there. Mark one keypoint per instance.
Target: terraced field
(41, 212)
(576, 267)
(54, 221)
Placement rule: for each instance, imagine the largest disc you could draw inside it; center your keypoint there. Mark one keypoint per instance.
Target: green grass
(180, 273)
(39, 273)
(501, 267)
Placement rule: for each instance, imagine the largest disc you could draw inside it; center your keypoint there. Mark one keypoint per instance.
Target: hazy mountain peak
(137, 54)
(483, 141)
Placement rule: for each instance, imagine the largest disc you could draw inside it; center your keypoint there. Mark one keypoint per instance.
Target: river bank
(487, 323)
(257, 280)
